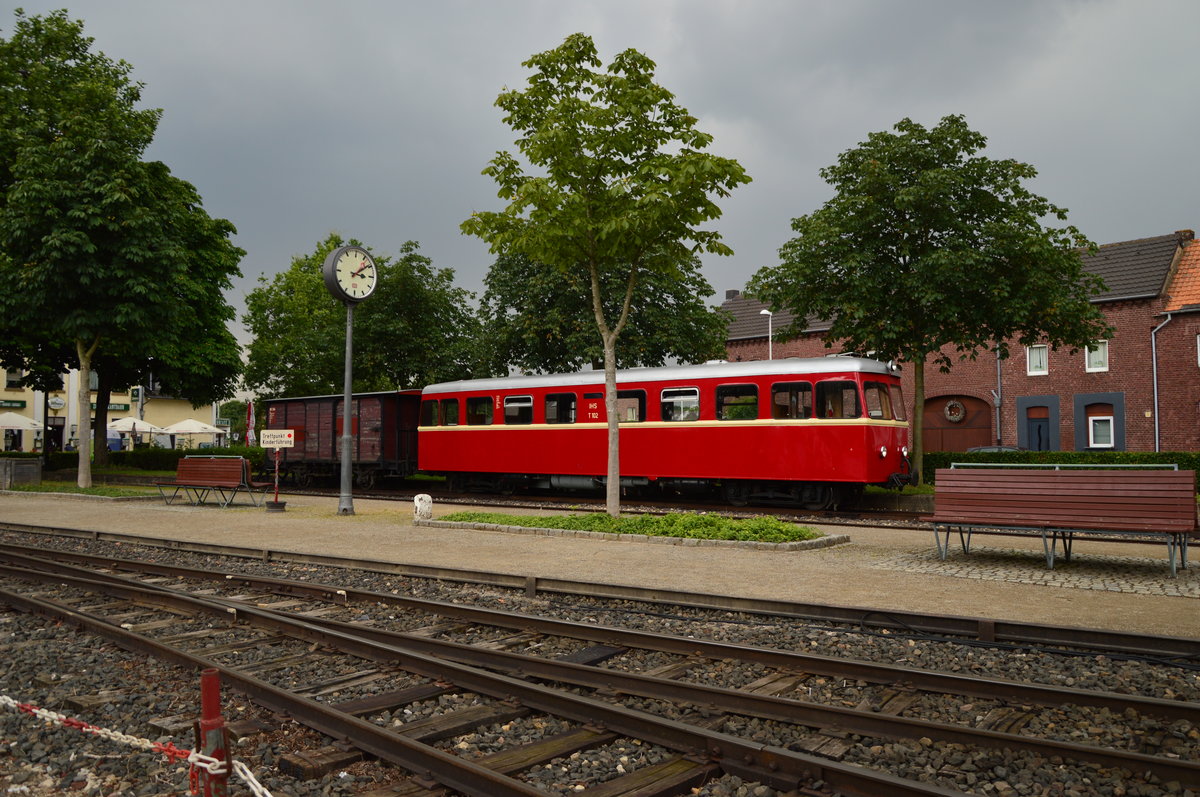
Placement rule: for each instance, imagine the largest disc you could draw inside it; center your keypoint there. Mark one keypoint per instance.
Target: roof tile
(1185, 286)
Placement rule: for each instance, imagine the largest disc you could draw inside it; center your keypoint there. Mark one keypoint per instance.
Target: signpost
(277, 439)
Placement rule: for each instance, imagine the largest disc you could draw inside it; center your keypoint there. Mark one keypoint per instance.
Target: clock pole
(350, 276)
(346, 497)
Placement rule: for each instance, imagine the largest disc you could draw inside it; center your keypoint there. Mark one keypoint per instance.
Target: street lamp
(770, 318)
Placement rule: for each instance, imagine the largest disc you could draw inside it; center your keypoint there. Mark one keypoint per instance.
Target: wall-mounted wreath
(954, 411)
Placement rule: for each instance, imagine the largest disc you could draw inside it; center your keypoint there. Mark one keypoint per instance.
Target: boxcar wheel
(365, 479)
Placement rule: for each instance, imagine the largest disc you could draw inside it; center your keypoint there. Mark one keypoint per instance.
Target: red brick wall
(1130, 373)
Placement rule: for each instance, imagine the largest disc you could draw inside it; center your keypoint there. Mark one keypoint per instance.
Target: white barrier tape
(213, 766)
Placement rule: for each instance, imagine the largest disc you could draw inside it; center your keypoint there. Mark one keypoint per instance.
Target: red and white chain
(195, 759)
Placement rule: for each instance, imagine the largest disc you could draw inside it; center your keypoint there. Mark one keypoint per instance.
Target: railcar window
(737, 402)
(898, 403)
(631, 406)
(518, 409)
(449, 412)
(791, 400)
(879, 402)
(560, 408)
(838, 398)
(429, 413)
(479, 411)
(680, 404)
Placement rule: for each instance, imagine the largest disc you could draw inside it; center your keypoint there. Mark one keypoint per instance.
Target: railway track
(349, 661)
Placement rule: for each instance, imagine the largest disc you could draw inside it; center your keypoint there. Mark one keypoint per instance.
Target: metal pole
(346, 498)
(212, 733)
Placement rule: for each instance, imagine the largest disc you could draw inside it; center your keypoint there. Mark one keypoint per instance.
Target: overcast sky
(374, 118)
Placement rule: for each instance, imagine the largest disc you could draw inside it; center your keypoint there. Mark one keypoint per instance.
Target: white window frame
(1029, 360)
(1098, 346)
(1197, 349)
(1092, 422)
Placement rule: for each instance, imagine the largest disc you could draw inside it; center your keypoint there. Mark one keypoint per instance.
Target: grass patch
(676, 524)
(908, 489)
(108, 491)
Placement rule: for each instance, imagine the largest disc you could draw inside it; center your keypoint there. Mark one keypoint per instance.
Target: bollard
(210, 733)
(423, 507)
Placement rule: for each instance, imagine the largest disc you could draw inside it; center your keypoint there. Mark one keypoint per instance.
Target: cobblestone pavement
(1132, 574)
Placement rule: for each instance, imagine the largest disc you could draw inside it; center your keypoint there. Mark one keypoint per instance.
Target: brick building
(1139, 391)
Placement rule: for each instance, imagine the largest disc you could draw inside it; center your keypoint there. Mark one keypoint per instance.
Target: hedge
(1186, 460)
(151, 458)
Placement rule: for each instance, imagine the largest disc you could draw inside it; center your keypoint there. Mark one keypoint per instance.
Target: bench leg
(1049, 545)
(1176, 542)
(942, 548)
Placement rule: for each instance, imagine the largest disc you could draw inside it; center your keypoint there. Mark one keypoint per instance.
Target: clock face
(354, 273)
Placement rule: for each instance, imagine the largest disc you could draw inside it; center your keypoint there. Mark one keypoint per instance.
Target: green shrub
(675, 524)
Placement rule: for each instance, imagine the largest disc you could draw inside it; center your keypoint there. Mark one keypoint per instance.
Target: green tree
(930, 250)
(620, 187)
(539, 319)
(415, 329)
(96, 246)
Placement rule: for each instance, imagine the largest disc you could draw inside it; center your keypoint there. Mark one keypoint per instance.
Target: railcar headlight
(904, 451)
(883, 452)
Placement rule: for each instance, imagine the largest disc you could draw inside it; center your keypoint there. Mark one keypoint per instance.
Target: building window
(13, 377)
(1097, 357)
(1037, 360)
(1100, 431)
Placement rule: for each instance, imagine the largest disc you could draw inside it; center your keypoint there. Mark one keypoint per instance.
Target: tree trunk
(85, 351)
(613, 485)
(100, 432)
(918, 425)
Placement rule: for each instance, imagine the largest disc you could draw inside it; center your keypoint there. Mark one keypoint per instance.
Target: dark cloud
(374, 119)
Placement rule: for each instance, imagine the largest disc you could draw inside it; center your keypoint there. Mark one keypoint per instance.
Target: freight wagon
(384, 427)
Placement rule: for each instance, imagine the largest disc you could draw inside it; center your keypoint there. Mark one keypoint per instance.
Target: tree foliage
(932, 251)
(416, 328)
(620, 186)
(97, 247)
(540, 320)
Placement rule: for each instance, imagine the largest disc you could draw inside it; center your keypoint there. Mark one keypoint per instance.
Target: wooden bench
(198, 477)
(1128, 505)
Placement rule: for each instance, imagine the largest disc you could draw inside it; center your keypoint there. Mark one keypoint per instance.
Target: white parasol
(11, 420)
(133, 425)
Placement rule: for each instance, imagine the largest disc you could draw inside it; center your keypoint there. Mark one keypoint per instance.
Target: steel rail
(413, 756)
(783, 709)
(904, 677)
(774, 766)
(824, 717)
(985, 630)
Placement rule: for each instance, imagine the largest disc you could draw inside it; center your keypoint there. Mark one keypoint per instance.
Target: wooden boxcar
(806, 431)
(383, 425)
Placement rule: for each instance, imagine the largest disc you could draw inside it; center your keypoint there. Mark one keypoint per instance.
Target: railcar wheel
(817, 498)
(304, 478)
(365, 479)
(737, 493)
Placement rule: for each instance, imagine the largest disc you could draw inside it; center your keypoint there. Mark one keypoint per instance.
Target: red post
(212, 734)
(277, 475)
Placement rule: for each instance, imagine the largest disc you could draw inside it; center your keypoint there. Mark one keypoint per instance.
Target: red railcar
(383, 426)
(806, 431)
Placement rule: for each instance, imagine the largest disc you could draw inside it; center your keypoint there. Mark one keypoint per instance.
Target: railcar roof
(406, 392)
(677, 373)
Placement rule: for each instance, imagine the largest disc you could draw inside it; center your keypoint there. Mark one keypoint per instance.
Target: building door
(956, 423)
(1037, 429)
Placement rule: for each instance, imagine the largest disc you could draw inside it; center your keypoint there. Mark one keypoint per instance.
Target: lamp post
(770, 318)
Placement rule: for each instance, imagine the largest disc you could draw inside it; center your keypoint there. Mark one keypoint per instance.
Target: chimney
(732, 294)
(1184, 235)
